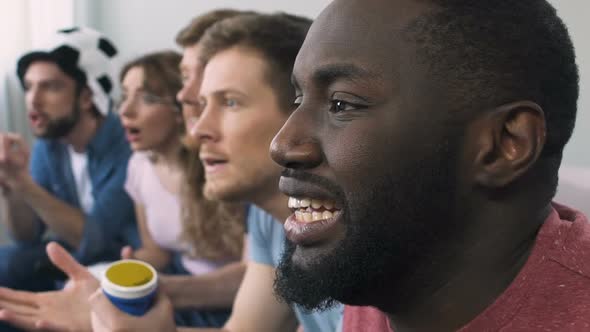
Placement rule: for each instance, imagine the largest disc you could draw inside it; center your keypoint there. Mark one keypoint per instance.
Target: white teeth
(316, 204)
(299, 215)
(316, 215)
(307, 217)
(307, 203)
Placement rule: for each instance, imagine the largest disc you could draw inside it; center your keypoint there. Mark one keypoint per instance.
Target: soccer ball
(83, 53)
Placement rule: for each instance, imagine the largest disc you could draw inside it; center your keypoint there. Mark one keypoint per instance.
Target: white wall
(575, 14)
(138, 26)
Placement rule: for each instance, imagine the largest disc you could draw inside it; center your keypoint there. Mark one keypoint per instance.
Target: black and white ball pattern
(94, 55)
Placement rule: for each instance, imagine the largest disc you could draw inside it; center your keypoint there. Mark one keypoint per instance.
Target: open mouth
(313, 221)
(36, 118)
(212, 165)
(213, 162)
(309, 210)
(132, 133)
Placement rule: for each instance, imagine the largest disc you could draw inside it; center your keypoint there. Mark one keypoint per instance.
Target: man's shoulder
(47, 151)
(558, 294)
(259, 219)
(570, 242)
(43, 144)
(265, 235)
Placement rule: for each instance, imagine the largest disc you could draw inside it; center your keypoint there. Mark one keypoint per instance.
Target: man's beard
(239, 189)
(225, 193)
(393, 229)
(60, 127)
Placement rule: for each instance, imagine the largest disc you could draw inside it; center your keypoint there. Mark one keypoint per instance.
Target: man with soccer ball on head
(73, 191)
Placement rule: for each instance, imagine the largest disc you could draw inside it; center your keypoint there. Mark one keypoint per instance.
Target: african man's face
(370, 160)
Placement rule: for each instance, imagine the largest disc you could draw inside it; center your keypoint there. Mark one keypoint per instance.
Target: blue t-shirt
(266, 239)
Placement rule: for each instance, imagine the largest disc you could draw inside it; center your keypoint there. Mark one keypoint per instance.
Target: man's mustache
(314, 179)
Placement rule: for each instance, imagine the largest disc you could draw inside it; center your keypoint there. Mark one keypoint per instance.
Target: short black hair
(491, 52)
(278, 37)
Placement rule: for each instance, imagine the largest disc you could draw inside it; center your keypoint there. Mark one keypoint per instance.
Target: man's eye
(231, 103)
(298, 100)
(54, 86)
(338, 106)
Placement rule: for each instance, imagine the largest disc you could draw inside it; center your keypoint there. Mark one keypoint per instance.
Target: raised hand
(14, 161)
(64, 310)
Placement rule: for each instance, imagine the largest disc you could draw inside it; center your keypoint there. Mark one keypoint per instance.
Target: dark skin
(365, 111)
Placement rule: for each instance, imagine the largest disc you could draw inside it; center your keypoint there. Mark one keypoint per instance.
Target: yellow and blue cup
(130, 285)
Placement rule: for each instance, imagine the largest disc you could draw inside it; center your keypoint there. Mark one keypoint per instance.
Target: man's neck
(470, 279)
(83, 131)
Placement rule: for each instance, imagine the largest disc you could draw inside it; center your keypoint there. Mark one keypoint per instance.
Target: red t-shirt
(550, 293)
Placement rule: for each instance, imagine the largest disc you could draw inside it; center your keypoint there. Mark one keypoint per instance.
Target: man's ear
(509, 140)
(85, 99)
